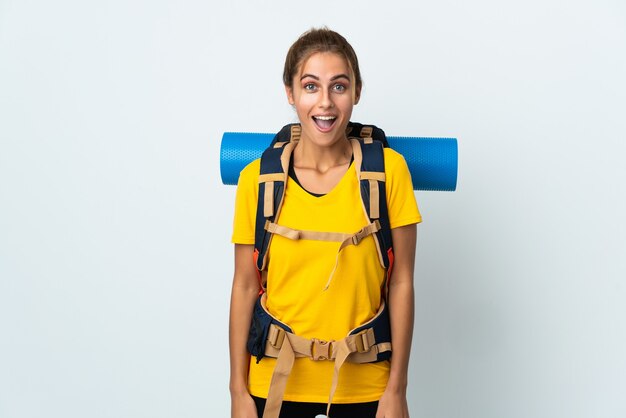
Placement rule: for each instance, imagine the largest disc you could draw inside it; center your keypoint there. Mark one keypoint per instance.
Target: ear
(290, 98)
(357, 95)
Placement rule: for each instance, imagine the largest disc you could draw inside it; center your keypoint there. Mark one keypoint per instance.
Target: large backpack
(370, 342)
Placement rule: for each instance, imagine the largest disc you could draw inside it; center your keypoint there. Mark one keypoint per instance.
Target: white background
(115, 254)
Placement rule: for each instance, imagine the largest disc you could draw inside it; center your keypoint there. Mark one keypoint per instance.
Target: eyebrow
(338, 76)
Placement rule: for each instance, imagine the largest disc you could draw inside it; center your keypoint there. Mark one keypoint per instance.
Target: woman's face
(323, 95)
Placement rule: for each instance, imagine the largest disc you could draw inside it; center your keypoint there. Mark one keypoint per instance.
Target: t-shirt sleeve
(245, 204)
(401, 203)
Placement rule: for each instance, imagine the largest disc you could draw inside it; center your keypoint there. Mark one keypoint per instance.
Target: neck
(311, 156)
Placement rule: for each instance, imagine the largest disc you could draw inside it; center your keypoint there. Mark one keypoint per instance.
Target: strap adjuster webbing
(362, 345)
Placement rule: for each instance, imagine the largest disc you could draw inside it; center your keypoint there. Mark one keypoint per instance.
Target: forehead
(325, 64)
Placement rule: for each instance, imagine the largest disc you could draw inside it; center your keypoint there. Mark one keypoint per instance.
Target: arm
(393, 403)
(245, 290)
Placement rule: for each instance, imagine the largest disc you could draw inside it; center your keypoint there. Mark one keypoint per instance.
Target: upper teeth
(325, 117)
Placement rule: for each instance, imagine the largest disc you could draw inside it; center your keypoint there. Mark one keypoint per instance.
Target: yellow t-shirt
(298, 271)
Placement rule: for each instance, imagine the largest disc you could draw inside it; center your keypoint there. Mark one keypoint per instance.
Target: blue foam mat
(432, 162)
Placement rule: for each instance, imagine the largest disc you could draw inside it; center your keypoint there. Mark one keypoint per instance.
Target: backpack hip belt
(364, 344)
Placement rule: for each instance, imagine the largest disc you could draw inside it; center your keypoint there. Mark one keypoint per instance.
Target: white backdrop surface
(115, 254)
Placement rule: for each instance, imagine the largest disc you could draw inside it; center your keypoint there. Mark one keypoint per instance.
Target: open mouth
(325, 123)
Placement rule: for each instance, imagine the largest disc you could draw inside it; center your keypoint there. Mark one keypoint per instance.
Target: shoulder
(245, 204)
(392, 155)
(399, 188)
(394, 162)
(250, 173)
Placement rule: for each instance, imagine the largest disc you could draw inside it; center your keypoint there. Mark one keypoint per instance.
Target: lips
(324, 123)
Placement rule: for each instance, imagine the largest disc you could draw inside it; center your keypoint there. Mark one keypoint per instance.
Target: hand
(392, 405)
(242, 406)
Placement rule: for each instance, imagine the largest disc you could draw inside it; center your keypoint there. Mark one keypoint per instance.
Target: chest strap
(344, 239)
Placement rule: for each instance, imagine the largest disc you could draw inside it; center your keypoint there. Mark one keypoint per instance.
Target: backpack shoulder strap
(369, 161)
(272, 180)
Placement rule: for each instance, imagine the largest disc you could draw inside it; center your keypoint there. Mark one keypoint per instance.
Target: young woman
(320, 292)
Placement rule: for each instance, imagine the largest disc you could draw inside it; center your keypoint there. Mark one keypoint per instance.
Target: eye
(309, 87)
(339, 88)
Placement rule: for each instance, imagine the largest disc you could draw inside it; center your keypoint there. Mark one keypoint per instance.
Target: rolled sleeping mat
(432, 162)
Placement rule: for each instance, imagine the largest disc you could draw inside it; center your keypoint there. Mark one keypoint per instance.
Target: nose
(326, 101)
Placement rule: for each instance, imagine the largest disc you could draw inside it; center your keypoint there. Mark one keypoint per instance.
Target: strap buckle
(362, 341)
(359, 235)
(365, 231)
(276, 336)
(320, 349)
